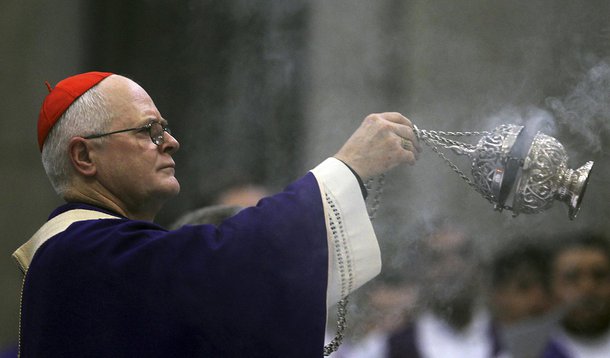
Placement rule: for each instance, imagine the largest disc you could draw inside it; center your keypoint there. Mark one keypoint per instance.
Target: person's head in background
(520, 281)
(228, 203)
(213, 215)
(386, 304)
(243, 194)
(448, 271)
(580, 283)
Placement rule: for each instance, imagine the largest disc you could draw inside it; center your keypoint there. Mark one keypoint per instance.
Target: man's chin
(588, 329)
(170, 189)
(175, 190)
(587, 323)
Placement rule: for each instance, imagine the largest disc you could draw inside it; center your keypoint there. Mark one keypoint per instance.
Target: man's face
(451, 272)
(581, 282)
(521, 296)
(133, 169)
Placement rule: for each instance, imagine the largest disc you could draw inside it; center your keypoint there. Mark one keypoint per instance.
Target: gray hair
(213, 215)
(88, 114)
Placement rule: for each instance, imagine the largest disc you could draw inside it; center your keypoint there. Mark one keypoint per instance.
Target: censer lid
(496, 161)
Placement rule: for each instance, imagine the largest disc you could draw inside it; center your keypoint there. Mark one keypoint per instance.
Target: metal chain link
(439, 137)
(445, 142)
(334, 344)
(433, 139)
(455, 134)
(453, 166)
(377, 198)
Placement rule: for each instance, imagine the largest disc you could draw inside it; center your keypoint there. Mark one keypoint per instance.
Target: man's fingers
(411, 158)
(406, 144)
(383, 141)
(408, 134)
(400, 125)
(396, 118)
(410, 147)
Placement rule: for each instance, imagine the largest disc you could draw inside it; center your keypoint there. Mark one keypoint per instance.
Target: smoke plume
(585, 111)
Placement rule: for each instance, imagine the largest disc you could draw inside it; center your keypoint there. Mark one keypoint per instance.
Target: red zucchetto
(61, 97)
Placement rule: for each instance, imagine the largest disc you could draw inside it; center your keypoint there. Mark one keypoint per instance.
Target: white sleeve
(353, 251)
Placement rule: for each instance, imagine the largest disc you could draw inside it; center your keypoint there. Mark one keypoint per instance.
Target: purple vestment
(554, 350)
(253, 287)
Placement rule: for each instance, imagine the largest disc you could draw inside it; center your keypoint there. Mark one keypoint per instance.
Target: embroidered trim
(342, 249)
(25, 253)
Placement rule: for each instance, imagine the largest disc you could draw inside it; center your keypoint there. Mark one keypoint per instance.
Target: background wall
(262, 91)
(39, 41)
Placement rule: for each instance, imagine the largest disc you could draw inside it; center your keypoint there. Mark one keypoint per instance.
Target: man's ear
(79, 152)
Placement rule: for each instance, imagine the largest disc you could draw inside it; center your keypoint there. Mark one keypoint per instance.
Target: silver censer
(510, 162)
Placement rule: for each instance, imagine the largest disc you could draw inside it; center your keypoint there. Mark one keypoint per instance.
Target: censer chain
(334, 344)
(434, 139)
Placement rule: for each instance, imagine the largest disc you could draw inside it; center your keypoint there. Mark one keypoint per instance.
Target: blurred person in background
(212, 215)
(452, 320)
(580, 283)
(228, 203)
(103, 280)
(244, 195)
(385, 305)
(520, 297)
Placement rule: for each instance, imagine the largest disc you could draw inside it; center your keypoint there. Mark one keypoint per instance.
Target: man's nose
(170, 144)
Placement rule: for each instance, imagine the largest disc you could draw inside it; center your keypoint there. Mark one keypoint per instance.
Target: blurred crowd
(532, 297)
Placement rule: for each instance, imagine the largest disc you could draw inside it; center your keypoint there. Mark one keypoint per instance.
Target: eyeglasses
(155, 130)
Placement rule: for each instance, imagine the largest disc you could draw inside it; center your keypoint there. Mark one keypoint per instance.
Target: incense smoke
(586, 110)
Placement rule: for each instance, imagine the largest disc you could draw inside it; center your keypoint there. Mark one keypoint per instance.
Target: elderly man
(102, 280)
(580, 283)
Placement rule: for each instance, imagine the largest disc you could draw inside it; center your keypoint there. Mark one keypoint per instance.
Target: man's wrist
(365, 192)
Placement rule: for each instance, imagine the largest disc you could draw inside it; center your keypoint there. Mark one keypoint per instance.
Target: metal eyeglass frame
(158, 139)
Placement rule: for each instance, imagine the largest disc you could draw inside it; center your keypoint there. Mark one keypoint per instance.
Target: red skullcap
(61, 97)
